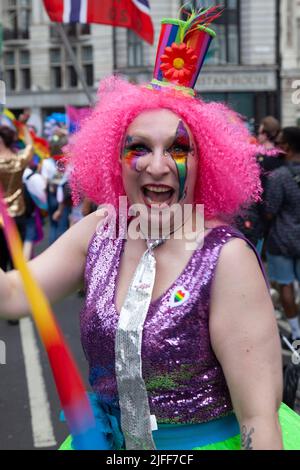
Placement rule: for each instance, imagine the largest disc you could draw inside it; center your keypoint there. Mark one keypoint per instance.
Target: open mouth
(157, 194)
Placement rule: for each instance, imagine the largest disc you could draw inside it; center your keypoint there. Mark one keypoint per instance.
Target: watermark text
(2, 353)
(138, 221)
(296, 94)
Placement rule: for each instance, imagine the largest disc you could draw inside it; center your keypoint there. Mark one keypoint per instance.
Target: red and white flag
(132, 14)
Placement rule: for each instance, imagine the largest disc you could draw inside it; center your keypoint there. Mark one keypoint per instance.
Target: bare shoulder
(238, 261)
(239, 290)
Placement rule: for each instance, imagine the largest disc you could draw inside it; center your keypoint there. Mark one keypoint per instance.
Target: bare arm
(58, 270)
(28, 152)
(246, 342)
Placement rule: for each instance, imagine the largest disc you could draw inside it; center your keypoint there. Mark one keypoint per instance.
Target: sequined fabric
(183, 377)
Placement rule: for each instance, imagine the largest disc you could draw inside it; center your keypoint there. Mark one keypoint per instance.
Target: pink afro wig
(228, 175)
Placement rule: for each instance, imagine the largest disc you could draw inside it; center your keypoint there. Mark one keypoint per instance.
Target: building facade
(242, 67)
(290, 62)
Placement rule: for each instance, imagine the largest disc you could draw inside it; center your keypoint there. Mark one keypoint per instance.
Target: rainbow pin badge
(179, 296)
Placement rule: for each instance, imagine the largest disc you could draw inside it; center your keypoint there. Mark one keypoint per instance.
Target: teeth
(155, 203)
(157, 189)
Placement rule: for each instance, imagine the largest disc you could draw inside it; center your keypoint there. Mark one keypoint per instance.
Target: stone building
(242, 67)
(290, 62)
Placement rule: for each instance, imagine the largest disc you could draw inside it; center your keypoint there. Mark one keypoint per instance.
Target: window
(135, 52)
(63, 74)
(71, 76)
(87, 64)
(17, 75)
(56, 68)
(73, 31)
(225, 47)
(298, 40)
(16, 19)
(24, 66)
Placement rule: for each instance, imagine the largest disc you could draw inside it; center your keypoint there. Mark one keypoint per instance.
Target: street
(24, 423)
(29, 404)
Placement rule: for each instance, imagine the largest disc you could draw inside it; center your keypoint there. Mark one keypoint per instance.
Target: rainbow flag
(41, 148)
(40, 145)
(7, 118)
(70, 387)
(75, 116)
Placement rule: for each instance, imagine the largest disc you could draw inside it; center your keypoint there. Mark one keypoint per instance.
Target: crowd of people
(273, 224)
(35, 192)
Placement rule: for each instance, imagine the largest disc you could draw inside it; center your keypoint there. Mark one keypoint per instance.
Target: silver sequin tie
(133, 398)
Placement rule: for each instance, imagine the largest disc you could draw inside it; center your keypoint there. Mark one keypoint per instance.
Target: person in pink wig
(182, 343)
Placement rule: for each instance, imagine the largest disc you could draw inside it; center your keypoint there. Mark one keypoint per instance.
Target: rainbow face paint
(179, 151)
(133, 152)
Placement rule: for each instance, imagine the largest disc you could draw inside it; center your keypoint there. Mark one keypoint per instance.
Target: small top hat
(182, 49)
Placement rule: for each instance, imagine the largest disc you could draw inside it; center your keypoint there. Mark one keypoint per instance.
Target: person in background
(282, 203)
(59, 204)
(253, 223)
(36, 201)
(12, 167)
(81, 210)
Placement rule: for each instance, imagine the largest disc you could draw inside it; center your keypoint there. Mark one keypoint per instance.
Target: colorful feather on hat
(182, 48)
(201, 18)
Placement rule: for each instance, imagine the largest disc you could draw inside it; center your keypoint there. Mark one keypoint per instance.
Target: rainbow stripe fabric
(70, 387)
(40, 145)
(181, 66)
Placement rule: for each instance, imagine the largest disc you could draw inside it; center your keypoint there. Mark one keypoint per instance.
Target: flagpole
(75, 64)
(114, 48)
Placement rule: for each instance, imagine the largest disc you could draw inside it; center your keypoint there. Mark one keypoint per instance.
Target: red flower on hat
(178, 63)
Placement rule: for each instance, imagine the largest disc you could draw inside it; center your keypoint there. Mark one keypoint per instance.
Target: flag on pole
(75, 116)
(132, 14)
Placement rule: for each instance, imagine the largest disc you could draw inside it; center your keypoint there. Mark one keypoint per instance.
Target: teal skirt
(219, 434)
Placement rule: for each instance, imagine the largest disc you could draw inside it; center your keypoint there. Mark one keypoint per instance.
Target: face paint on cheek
(132, 155)
(181, 141)
(181, 165)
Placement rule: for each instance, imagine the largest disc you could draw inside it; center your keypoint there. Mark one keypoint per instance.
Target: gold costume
(11, 172)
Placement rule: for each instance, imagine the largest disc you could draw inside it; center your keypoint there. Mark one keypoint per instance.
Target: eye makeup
(133, 151)
(178, 150)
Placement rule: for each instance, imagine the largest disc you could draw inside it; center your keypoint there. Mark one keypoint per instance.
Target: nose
(158, 164)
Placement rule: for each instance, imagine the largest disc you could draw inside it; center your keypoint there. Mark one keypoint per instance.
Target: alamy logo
(2, 353)
(2, 93)
(296, 94)
(296, 353)
(155, 223)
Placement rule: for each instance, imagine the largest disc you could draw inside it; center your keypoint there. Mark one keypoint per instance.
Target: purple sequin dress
(183, 377)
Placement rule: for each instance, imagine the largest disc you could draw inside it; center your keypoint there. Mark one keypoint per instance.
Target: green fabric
(67, 444)
(290, 426)
(234, 443)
